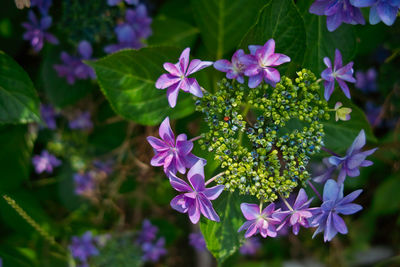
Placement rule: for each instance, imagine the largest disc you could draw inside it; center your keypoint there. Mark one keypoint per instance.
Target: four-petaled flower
(327, 216)
(234, 69)
(45, 162)
(174, 155)
(381, 10)
(263, 222)
(36, 31)
(339, 73)
(300, 214)
(342, 113)
(337, 12)
(259, 64)
(354, 159)
(196, 199)
(177, 78)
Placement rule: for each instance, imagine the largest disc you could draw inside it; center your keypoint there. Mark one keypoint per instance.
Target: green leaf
(58, 91)
(167, 31)
(341, 134)
(128, 78)
(281, 21)
(223, 23)
(19, 102)
(15, 157)
(387, 198)
(322, 43)
(222, 238)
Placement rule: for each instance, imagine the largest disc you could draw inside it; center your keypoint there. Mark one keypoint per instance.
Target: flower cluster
(152, 249)
(45, 162)
(348, 11)
(82, 248)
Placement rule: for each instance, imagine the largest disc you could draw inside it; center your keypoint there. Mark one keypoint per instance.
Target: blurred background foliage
(125, 107)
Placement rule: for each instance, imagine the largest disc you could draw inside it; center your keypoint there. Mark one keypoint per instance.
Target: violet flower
(381, 10)
(324, 171)
(177, 78)
(126, 39)
(339, 73)
(153, 252)
(84, 183)
(148, 232)
(259, 65)
(48, 115)
(196, 240)
(45, 162)
(373, 111)
(234, 69)
(327, 216)
(42, 5)
(116, 2)
(337, 12)
(36, 31)
(82, 248)
(196, 197)
(354, 159)
(81, 122)
(263, 222)
(174, 155)
(73, 68)
(300, 214)
(250, 246)
(366, 81)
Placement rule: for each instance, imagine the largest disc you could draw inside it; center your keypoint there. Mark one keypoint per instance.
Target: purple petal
(328, 62)
(157, 144)
(358, 143)
(194, 212)
(280, 60)
(334, 21)
(254, 48)
(330, 230)
(331, 190)
(252, 70)
(179, 184)
(207, 209)
(193, 87)
(246, 225)
(166, 132)
(318, 7)
(329, 87)
(85, 49)
(196, 65)
(362, 3)
(339, 224)
(213, 193)
(196, 176)
(266, 51)
(223, 65)
(180, 203)
(301, 199)
(172, 69)
(272, 75)
(374, 16)
(338, 60)
(268, 210)
(184, 60)
(166, 80)
(255, 80)
(252, 230)
(348, 209)
(158, 159)
(387, 13)
(172, 94)
(182, 145)
(350, 197)
(250, 211)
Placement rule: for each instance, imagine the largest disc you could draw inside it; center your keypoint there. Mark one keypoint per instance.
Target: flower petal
(213, 193)
(250, 211)
(196, 176)
(223, 65)
(166, 80)
(196, 65)
(179, 184)
(207, 209)
(180, 203)
(172, 69)
(166, 132)
(339, 224)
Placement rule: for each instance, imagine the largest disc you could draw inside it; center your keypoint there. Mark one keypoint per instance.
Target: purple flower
(263, 222)
(250, 246)
(366, 81)
(131, 33)
(337, 12)
(36, 31)
(381, 10)
(327, 216)
(323, 174)
(339, 73)
(104, 166)
(173, 155)
(178, 77)
(83, 247)
(300, 213)
(49, 116)
(354, 159)
(148, 232)
(234, 70)
(116, 2)
(81, 122)
(73, 68)
(373, 112)
(197, 241)
(258, 66)
(196, 199)
(45, 162)
(153, 252)
(84, 183)
(42, 5)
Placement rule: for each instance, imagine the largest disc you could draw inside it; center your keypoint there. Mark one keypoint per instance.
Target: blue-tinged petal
(329, 87)
(334, 21)
(184, 60)
(318, 7)
(358, 143)
(207, 209)
(350, 197)
(196, 65)
(344, 87)
(348, 209)
(180, 203)
(331, 190)
(330, 230)
(254, 48)
(246, 225)
(387, 13)
(374, 16)
(250, 211)
(213, 193)
(194, 211)
(196, 176)
(255, 80)
(223, 65)
(339, 224)
(179, 184)
(363, 3)
(327, 75)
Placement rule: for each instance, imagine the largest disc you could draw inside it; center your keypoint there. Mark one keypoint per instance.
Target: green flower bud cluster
(264, 137)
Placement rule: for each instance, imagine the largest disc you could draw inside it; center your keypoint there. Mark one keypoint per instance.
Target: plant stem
(329, 151)
(195, 138)
(286, 203)
(213, 178)
(314, 189)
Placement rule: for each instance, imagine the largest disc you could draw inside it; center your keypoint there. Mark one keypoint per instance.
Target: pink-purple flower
(177, 78)
(300, 214)
(48, 115)
(174, 155)
(73, 68)
(195, 199)
(354, 159)
(259, 66)
(82, 248)
(45, 162)
(338, 72)
(234, 69)
(261, 221)
(36, 31)
(327, 216)
(152, 252)
(196, 240)
(250, 246)
(381, 10)
(337, 12)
